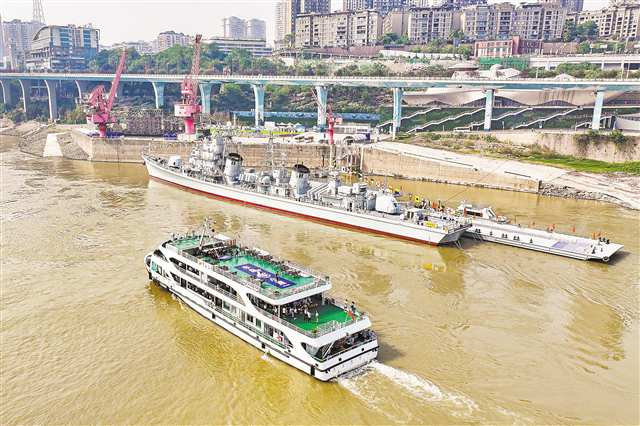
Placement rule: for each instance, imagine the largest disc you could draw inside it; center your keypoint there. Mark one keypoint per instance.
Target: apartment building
(338, 29)
(397, 22)
(430, 23)
(167, 39)
(539, 21)
(532, 21)
(620, 21)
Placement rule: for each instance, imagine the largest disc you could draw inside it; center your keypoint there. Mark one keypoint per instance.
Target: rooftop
(252, 267)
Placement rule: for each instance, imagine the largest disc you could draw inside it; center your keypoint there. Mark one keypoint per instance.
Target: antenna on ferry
(206, 228)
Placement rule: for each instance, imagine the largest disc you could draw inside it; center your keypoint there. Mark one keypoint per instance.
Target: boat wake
(393, 393)
(371, 384)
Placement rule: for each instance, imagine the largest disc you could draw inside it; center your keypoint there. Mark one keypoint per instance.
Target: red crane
(98, 106)
(189, 107)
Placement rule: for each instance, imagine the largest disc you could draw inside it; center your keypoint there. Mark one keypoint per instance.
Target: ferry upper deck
(294, 295)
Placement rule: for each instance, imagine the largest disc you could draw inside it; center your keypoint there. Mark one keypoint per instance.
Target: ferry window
(258, 323)
(225, 305)
(249, 318)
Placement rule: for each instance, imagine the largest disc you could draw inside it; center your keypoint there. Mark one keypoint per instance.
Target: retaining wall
(379, 162)
(129, 150)
(562, 142)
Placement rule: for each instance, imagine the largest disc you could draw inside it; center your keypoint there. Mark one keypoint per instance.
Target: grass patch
(583, 165)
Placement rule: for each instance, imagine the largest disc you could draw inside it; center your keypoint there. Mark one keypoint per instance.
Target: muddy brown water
(486, 334)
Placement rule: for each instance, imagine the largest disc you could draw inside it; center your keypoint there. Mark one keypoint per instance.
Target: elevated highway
(321, 85)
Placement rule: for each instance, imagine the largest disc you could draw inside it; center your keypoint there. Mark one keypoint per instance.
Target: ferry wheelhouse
(280, 308)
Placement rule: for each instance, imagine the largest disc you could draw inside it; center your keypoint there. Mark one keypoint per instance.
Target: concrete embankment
(413, 162)
(576, 144)
(418, 162)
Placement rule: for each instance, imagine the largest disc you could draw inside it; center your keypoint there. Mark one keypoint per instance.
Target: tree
(587, 30)
(389, 39)
(289, 40)
(569, 32)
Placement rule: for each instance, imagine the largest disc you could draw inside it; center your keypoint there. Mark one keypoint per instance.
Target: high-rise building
(533, 21)
(279, 22)
(621, 20)
(15, 41)
(167, 39)
(238, 28)
(63, 48)
(314, 6)
(396, 22)
(539, 21)
(256, 29)
(432, 23)
(288, 10)
(234, 27)
(338, 29)
(488, 21)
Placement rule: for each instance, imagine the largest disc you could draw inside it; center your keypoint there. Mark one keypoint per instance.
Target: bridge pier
(205, 97)
(258, 91)
(397, 110)
(53, 99)
(6, 92)
(597, 110)
(488, 108)
(82, 89)
(158, 89)
(25, 86)
(321, 95)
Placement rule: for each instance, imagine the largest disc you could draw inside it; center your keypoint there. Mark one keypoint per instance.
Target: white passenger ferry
(211, 171)
(277, 306)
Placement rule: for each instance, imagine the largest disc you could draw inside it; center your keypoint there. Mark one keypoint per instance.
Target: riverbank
(413, 161)
(434, 159)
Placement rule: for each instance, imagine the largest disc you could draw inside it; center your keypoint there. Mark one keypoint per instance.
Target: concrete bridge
(321, 86)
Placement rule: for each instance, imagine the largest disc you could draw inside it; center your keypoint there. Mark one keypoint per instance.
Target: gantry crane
(189, 107)
(98, 107)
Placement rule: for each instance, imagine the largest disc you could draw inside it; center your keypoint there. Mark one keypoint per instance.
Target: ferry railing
(320, 330)
(252, 283)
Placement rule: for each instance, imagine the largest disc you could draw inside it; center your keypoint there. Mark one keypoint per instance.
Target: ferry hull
(378, 225)
(332, 369)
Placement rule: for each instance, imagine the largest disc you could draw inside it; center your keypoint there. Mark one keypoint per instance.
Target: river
(487, 333)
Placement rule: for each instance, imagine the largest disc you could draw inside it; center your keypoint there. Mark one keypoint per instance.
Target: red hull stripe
(288, 213)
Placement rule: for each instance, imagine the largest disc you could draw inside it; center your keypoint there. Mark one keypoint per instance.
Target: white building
(234, 27)
(257, 47)
(168, 39)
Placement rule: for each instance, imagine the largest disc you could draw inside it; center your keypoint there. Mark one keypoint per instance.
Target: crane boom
(116, 80)
(99, 108)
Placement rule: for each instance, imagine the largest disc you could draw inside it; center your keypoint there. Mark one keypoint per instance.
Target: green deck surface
(326, 314)
(266, 265)
(186, 243)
